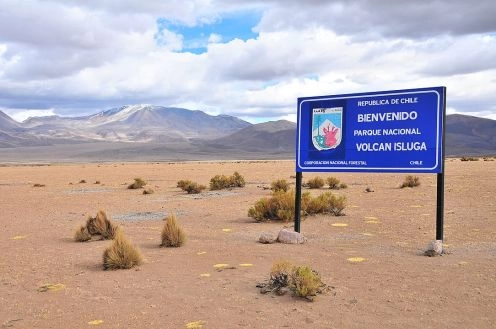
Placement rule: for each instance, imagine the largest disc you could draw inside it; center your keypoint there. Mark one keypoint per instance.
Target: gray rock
(435, 248)
(267, 237)
(290, 236)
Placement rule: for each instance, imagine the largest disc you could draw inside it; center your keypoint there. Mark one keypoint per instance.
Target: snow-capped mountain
(131, 123)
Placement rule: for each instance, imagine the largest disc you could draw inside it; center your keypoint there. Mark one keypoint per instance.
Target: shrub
(237, 180)
(411, 181)
(194, 188)
(121, 254)
(38, 185)
(333, 183)
(316, 182)
(301, 280)
(279, 206)
(279, 185)
(172, 234)
(82, 181)
(138, 183)
(305, 282)
(148, 191)
(469, 159)
(343, 185)
(99, 226)
(183, 183)
(326, 203)
(220, 182)
(97, 182)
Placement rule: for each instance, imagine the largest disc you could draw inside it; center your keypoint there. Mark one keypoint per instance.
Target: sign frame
(429, 108)
(439, 151)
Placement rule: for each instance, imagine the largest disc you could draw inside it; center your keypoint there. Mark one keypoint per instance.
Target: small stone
(369, 189)
(267, 237)
(435, 248)
(291, 237)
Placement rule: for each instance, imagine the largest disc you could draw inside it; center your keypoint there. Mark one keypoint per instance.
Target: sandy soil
(394, 287)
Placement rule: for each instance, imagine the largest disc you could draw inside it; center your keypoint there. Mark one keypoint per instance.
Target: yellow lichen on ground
(221, 265)
(195, 324)
(51, 287)
(356, 259)
(339, 224)
(246, 265)
(95, 322)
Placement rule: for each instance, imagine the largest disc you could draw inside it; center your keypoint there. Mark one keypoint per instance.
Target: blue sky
(250, 59)
(223, 29)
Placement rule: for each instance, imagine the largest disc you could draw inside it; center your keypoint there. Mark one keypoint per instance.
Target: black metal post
(440, 180)
(298, 202)
(440, 207)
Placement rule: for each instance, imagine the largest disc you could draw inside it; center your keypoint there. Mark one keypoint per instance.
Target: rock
(369, 189)
(267, 237)
(435, 248)
(290, 236)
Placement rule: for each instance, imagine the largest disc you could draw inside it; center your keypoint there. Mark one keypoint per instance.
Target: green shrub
(411, 181)
(333, 183)
(279, 185)
(138, 183)
(172, 234)
(305, 282)
(316, 182)
(121, 254)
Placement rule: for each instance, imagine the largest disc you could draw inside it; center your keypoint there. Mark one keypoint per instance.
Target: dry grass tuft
(148, 191)
(138, 183)
(121, 254)
(172, 234)
(99, 226)
(411, 181)
(38, 185)
(316, 182)
(82, 234)
(279, 185)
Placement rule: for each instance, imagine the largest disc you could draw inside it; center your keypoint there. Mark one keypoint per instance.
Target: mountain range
(149, 133)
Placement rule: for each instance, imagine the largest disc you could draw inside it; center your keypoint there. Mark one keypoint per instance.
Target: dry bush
(82, 181)
(148, 191)
(98, 226)
(183, 183)
(237, 180)
(279, 185)
(97, 182)
(343, 185)
(278, 206)
(301, 280)
(172, 234)
(138, 183)
(333, 183)
(326, 203)
(306, 282)
(469, 159)
(220, 182)
(121, 254)
(316, 182)
(38, 185)
(82, 234)
(411, 181)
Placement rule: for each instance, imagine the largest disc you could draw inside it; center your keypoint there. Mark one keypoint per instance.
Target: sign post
(386, 131)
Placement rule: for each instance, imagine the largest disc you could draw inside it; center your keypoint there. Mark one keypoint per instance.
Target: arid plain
(394, 287)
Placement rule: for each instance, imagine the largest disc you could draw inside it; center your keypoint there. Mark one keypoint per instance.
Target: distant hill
(276, 136)
(148, 133)
(468, 135)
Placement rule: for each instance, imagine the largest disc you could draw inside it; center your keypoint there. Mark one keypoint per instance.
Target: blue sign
(387, 131)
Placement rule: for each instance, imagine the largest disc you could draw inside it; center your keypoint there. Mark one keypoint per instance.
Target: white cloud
(83, 56)
(22, 114)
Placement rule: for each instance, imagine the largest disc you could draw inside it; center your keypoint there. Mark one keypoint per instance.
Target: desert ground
(395, 286)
